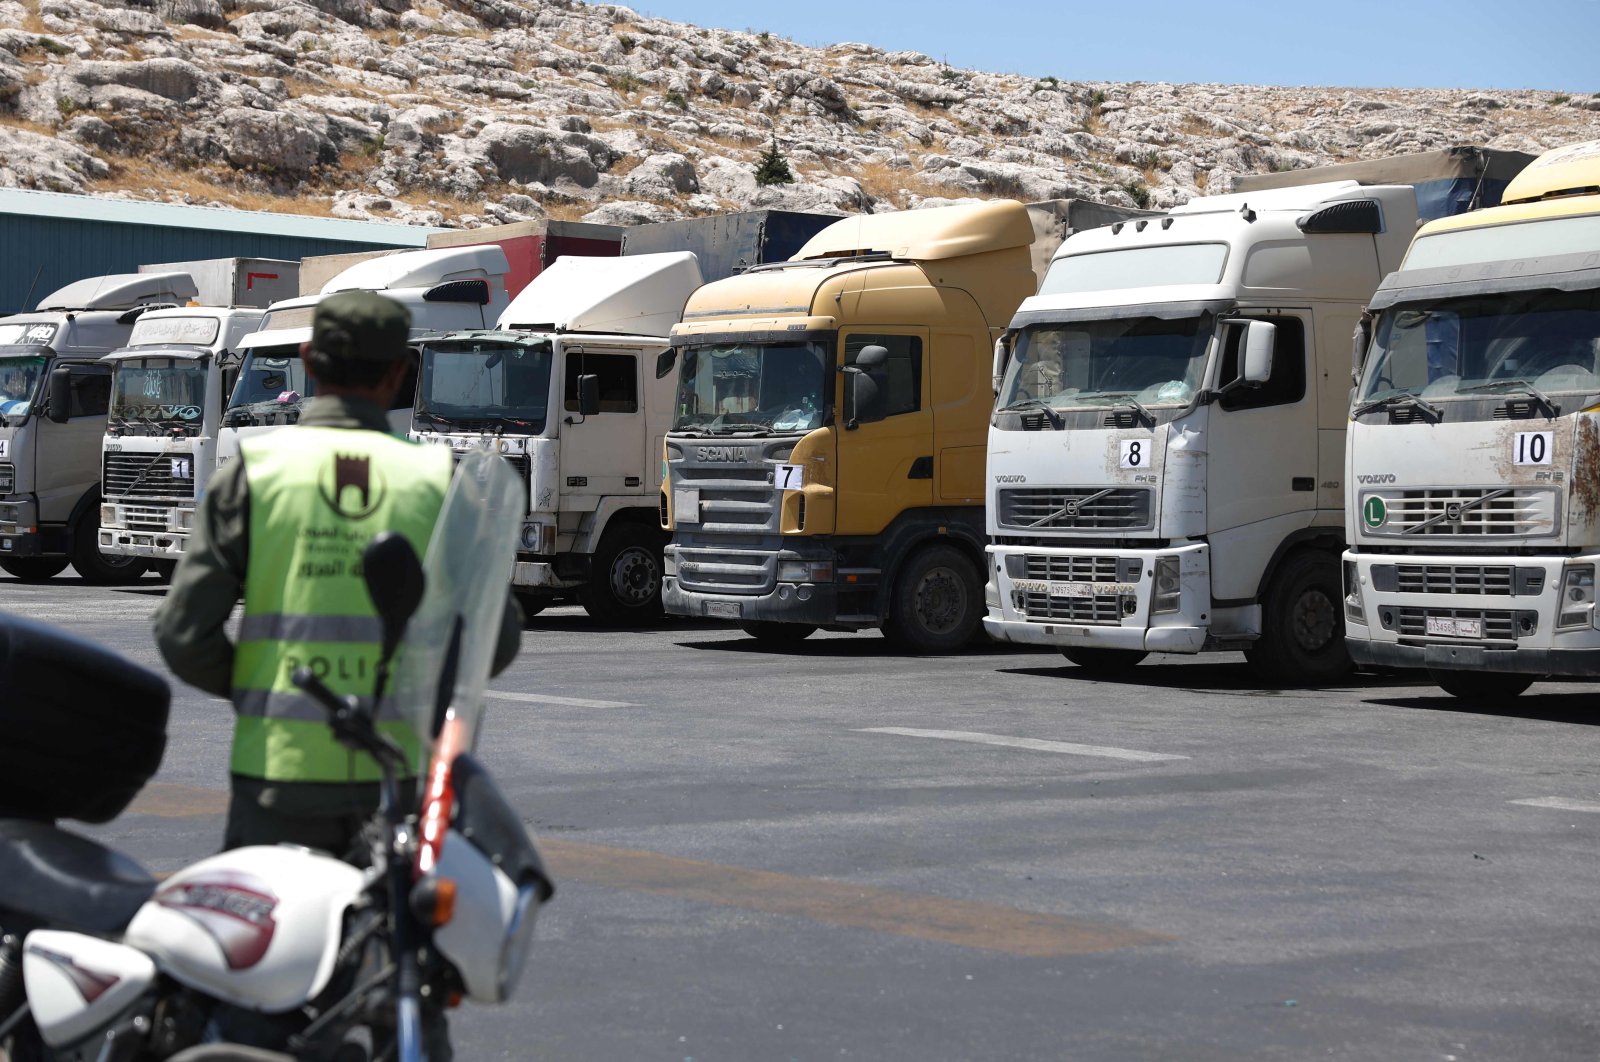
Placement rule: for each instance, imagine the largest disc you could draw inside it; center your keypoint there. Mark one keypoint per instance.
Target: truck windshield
(471, 383)
(1092, 364)
(272, 380)
(743, 387)
(1543, 341)
(19, 386)
(159, 392)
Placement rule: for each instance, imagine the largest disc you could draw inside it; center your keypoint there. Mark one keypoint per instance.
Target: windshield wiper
(431, 417)
(1041, 405)
(1138, 408)
(751, 430)
(1524, 387)
(1428, 409)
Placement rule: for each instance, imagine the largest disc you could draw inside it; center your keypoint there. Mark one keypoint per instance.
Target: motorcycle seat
(68, 881)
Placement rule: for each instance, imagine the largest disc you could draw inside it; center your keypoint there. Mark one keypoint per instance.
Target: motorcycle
(272, 952)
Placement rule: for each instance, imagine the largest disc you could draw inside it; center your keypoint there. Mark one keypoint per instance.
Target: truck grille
(8, 479)
(736, 500)
(1040, 607)
(1499, 625)
(148, 518)
(1069, 569)
(1079, 508)
(145, 476)
(1475, 511)
(1490, 580)
(717, 570)
(519, 462)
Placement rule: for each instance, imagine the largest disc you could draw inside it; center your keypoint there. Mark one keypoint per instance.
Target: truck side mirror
(60, 404)
(588, 395)
(860, 389)
(1002, 355)
(664, 362)
(1359, 342)
(1256, 365)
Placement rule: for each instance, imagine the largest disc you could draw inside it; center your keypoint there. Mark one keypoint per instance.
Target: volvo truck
(55, 388)
(452, 288)
(1473, 478)
(1167, 448)
(566, 389)
(825, 463)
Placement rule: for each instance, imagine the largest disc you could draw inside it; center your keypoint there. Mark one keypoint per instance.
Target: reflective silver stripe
(296, 707)
(290, 627)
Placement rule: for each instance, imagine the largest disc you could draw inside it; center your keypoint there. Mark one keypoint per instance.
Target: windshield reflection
(272, 380)
(19, 385)
(743, 388)
(476, 383)
(160, 392)
(1093, 364)
(1542, 342)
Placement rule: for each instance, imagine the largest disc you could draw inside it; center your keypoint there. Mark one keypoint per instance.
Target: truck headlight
(1577, 597)
(1353, 608)
(798, 571)
(1169, 588)
(538, 537)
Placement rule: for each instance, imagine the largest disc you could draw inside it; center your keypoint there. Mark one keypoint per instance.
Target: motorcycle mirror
(395, 582)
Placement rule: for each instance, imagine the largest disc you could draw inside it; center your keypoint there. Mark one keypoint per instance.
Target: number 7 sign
(789, 477)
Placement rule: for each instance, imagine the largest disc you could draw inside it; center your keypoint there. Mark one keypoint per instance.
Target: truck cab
(445, 289)
(824, 466)
(567, 389)
(55, 390)
(1167, 445)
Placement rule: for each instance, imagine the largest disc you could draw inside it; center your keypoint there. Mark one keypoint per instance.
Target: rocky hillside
(480, 111)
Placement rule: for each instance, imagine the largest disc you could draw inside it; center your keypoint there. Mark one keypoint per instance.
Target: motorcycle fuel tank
(257, 927)
(78, 985)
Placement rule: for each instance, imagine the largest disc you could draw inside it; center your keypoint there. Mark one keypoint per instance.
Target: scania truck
(1166, 453)
(825, 463)
(1473, 477)
(55, 387)
(566, 389)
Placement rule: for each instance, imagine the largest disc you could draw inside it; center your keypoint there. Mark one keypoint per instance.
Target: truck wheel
(1104, 661)
(1302, 624)
(164, 569)
(937, 602)
(98, 568)
(777, 635)
(1481, 687)
(624, 587)
(34, 569)
(532, 604)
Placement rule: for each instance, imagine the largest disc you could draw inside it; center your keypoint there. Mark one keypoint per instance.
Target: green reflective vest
(317, 497)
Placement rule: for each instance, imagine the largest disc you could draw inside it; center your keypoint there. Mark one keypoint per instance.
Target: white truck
(568, 390)
(445, 289)
(55, 387)
(167, 389)
(1166, 453)
(1473, 477)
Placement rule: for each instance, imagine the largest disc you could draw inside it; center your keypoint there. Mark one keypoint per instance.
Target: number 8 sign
(1135, 453)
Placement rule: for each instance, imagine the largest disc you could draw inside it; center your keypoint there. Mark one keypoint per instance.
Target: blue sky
(1541, 44)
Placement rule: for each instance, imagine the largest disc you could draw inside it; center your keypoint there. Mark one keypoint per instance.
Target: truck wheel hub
(635, 577)
(1314, 620)
(941, 601)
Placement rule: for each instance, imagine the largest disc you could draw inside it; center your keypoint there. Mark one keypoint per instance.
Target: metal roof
(35, 204)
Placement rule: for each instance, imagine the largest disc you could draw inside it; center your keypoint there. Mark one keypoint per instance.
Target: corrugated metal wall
(59, 250)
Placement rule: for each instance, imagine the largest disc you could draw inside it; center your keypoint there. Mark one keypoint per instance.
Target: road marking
(1559, 804)
(1066, 748)
(568, 702)
(967, 923)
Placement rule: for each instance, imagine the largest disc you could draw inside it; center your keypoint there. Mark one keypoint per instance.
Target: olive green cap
(360, 326)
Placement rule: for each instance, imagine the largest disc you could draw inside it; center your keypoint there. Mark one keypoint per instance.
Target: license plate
(723, 609)
(686, 506)
(1448, 627)
(1072, 589)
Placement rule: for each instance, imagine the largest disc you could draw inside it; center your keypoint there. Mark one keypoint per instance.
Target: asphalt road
(837, 852)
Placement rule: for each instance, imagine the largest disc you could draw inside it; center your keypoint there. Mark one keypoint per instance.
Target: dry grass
(11, 121)
(568, 210)
(882, 181)
(1202, 178)
(203, 185)
(302, 86)
(187, 32)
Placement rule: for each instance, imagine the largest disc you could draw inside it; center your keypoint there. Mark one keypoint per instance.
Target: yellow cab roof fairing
(925, 235)
(1565, 181)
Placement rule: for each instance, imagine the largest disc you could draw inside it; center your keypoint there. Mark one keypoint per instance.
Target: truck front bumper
(816, 604)
(797, 584)
(19, 527)
(1098, 598)
(1484, 613)
(160, 532)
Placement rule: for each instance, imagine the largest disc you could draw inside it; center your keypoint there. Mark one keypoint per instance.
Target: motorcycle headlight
(518, 940)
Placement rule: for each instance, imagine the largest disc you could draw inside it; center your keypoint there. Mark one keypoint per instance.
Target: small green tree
(773, 167)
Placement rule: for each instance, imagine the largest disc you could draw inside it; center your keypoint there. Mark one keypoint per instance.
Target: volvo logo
(1011, 479)
(1452, 512)
(1071, 509)
(722, 453)
(1387, 477)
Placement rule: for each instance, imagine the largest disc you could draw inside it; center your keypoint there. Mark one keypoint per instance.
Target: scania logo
(1011, 479)
(722, 453)
(1387, 477)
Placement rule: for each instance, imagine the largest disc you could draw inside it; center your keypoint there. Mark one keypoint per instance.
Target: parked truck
(1473, 477)
(825, 464)
(728, 244)
(1448, 181)
(566, 389)
(445, 289)
(55, 388)
(1166, 453)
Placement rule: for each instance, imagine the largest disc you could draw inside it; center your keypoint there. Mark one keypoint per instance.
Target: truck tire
(532, 604)
(1104, 661)
(164, 569)
(777, 635)
(937, 603)
(1487, 688)
(1302, 624)
(34, 569)
(97, 568)
(624, 587)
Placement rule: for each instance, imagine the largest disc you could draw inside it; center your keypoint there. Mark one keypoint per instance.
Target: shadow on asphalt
(1582, 708)
(1219, 677)
(863, 646)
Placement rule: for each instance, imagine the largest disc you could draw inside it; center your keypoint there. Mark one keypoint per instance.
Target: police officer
(284, 527)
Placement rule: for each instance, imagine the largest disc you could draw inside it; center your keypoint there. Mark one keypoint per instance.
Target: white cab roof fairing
(156, 350)
(421, 269)
(278, 337)
(1065, 303)
(637, 295)
(121, 291)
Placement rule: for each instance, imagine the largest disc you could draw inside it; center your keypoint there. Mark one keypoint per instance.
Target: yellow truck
(826, 460)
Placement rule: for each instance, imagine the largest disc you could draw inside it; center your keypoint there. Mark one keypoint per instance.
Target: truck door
(886, 465)
(1262, 444)
(68, 455)
(602, 454)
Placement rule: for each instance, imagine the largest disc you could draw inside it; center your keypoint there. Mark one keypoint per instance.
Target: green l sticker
(1374, 512)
